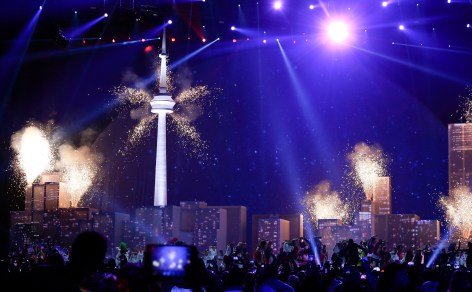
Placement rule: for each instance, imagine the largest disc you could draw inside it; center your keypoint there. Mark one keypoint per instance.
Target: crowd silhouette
(301, 264)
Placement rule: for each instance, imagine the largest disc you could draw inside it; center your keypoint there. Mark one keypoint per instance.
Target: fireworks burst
(323, 203)
(79, 167)
(190, 104)
(457, 210)
(368, 163)
(33, 151)
(466, 112)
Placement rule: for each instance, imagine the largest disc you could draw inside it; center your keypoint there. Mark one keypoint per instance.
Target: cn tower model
(162, 104)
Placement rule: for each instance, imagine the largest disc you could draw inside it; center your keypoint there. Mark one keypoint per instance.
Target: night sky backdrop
(273, 132)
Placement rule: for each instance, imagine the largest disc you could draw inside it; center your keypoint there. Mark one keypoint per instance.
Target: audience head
(88, 252)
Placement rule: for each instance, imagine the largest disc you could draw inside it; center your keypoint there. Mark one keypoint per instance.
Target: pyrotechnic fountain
(36, 156)
(457, 208)
(368, 164)
(324, 203)
(466, 106)
(33, 152)
(162, 104)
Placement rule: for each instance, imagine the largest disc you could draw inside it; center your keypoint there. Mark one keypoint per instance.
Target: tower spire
(163, 57)
(161, 104)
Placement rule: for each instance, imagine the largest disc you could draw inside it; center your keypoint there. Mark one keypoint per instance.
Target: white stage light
(277, 5)
(338, 32)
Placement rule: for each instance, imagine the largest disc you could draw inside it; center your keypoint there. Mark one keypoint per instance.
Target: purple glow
(384, 4)
(233, 28)
(401, 27)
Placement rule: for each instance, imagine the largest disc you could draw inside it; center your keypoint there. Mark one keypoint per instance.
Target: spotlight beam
(157, 30)
(191, 55)
(152, 78)
(291, 173)
(308, 114)
(325, 10)
(50, 54)
(441, 245)
(448, 50)
(13, 59)
(414, 66)
(80, 30)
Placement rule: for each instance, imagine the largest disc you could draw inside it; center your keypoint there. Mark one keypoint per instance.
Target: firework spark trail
(194, 143)
(466, 106)
(323, 203)
(192, 95)
(80, 167)
(131, 95)
(457, 208)
(367, 163)
(143, 128)
(33, 152)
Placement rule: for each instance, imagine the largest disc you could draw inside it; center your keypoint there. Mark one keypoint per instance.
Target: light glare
(277, 5)
(338, 32)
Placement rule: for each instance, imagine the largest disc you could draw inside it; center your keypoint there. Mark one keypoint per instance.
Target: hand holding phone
(164, 261)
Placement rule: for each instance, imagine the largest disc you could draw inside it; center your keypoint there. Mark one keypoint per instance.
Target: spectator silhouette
(88, 253)
(459, 282)
(81, 273)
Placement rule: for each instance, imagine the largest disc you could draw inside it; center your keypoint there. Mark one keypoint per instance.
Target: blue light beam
(11, 62)
(80, 30)
(414, 66)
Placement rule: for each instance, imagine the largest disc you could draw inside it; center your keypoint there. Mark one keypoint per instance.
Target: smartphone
(363, 276)
(167, 260)
(311, 258)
